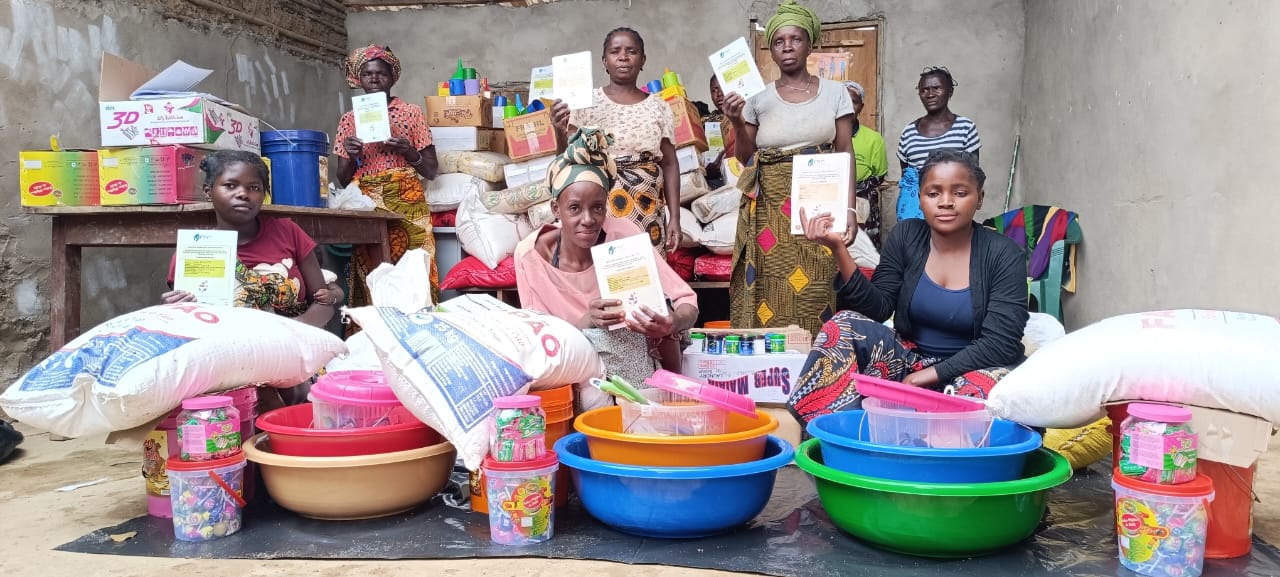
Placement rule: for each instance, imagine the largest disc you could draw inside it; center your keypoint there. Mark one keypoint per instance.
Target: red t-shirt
(267, 275)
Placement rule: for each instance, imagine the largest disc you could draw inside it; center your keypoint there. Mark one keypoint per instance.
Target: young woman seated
(555, 273)
(957, 293)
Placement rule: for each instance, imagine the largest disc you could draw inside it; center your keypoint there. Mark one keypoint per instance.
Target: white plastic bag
(718, 236)
(447, 191)
(1193, 357)
(690, 230)
(138, 366)
(717, 204)
(349, 198)
(448, 367)
(864, 251)
(488, 237)
(1041, 330)
(406, 286)
(693, 185)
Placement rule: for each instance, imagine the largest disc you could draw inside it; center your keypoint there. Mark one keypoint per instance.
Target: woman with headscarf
(647, 190)
(555, 273)
(780, 279)
(873, 165)
(389, 172)
(938, 129)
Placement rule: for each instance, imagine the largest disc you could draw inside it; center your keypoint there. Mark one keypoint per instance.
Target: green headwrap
(791, 14)
(585, 158)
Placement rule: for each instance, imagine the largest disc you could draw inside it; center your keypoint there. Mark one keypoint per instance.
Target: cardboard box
(497, 140)
(459, 111)
(151, 175)
(690, 159)
(531, 136)
(193, 121)
(766, 378)
(522, 173)
(688, 124)
(460, 138)
(1230, 438)
(65, 178)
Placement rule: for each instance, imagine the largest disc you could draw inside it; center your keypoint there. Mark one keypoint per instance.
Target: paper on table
(373, 120)
(820, 183)
(542, 84)
(736, 69)
(571, 79)
(206, 265)
(627, 270)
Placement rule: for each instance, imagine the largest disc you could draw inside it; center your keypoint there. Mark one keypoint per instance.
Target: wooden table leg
(384, 243)
(64, 309)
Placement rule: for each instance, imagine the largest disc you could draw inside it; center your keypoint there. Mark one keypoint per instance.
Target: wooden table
(75, 227)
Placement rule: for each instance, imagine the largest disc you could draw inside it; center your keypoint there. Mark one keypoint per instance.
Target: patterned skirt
(396, 190)
(851, 344)
(637, 196)
(779, 279)
(870, 190)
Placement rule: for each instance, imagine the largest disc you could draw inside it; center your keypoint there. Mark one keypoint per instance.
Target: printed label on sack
(106, 357)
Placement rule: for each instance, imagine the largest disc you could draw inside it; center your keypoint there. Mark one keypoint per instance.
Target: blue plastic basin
(843, 437)
(672, 502)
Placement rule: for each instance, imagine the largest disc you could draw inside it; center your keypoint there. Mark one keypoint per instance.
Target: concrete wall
(1155, 125)
(980, 41)
(49, 67)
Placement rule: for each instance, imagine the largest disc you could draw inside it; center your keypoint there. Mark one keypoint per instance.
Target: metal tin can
(698, 342)
(715, 345)
(747, 346)
(732, 344)
(777, 343)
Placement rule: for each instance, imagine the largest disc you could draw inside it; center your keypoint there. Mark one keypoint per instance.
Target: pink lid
(1161, 413)
(709, 394)
(517, 402)
(364, 388)
(918, 398)
(207, 402)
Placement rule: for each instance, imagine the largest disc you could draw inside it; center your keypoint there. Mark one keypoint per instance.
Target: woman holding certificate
(780, 278)
(956, 290)
(389, 172)
(556, 271)
(647, 190)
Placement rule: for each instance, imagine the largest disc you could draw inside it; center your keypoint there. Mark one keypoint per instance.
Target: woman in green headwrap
(555, 273)
(780, 279)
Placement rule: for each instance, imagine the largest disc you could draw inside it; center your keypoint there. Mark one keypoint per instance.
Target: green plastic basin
(939, 520)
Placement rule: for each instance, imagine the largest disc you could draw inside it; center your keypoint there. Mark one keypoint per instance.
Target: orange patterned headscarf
(361, 56)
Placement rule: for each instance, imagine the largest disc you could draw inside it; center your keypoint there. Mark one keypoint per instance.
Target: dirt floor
(35, 518)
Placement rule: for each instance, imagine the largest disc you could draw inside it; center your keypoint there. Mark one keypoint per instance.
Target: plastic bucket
(162, 443)
(1161, 529)
(557, 403)
(295, 165)
(521, 500)
(207, 497)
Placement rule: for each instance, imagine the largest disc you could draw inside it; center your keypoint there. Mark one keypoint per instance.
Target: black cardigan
(997, 281)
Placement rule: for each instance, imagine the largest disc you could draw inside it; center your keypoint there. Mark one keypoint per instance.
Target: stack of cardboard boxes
(152, 148)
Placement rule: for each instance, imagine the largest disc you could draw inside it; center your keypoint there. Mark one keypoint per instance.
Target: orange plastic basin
(744, 442)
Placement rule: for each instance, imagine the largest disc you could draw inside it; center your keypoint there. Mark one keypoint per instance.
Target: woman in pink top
(555, 273)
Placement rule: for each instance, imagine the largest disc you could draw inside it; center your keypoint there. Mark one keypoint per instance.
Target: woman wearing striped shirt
(938, 129)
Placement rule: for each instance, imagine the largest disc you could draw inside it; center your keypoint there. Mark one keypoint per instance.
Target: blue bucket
(295, 165)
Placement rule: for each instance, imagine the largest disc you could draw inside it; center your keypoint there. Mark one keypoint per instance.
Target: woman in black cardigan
(957, 293)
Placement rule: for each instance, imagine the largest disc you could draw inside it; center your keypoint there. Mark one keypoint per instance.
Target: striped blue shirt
(914, 148)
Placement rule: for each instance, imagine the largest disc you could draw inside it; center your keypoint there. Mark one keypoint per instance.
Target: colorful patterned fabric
(1035, 228)
(268, 275)
(407, 121)
(778, 279)
(397, 190)
(870, 190)
(909, 194)
(361, 56)
(266, 289)
(585, 159)
(851, 344)
(790, 13)
(637, 196)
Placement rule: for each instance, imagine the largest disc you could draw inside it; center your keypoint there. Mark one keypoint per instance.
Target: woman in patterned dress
(389, 172)
(647, 190)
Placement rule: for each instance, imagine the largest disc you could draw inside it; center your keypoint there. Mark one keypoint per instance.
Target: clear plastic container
(517, 429)
(1157, 444)
(891, 423)
(1161, 530)
(671, 414)
(208, 429)
(352, 400)
(207, 497)
(521, 499)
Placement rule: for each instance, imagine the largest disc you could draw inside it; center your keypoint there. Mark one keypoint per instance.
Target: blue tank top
(942, 318)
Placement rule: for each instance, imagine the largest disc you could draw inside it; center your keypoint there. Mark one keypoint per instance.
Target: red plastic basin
(291, 434)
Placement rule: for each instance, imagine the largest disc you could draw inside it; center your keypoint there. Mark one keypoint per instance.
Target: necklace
(805, 89)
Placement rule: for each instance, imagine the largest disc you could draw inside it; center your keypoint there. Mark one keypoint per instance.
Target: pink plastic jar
(1157, 444)
(518, 429)
(208, 429)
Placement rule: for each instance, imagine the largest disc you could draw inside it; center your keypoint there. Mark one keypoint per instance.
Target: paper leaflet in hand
(627, 270)
(735, 68)
(820, 184)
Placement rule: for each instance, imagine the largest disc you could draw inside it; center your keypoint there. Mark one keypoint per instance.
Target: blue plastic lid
(295, 135)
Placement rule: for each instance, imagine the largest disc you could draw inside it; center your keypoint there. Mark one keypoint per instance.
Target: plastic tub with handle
(1161, 529)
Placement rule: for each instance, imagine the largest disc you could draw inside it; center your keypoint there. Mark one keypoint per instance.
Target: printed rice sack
(541, 215)
(138, 366)
(448, 367)
(717, 204)
(480, 164)
(690, 230)
(693, 185)
(718, 236)
(487, 236)
(518, 199)
(1193, 357)
(447, 191)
